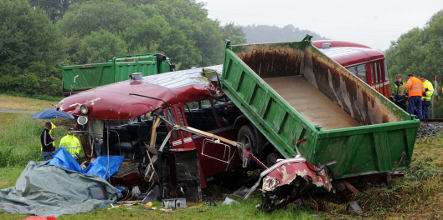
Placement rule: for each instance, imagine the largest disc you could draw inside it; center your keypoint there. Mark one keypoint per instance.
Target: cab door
(179, 140)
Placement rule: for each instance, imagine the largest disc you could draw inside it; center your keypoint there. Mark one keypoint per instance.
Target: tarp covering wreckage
(54, 190)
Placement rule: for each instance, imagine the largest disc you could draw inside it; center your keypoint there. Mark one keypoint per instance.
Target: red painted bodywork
(350, 54)
(114, 102)
(288, 172)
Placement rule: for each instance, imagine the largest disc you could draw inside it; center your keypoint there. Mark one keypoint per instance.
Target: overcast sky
(373, 22)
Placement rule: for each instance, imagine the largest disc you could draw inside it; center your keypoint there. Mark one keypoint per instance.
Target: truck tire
(246, 136)
(271, 158)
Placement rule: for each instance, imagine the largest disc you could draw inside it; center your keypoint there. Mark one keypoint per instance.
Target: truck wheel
(247, 137)
(271, 158)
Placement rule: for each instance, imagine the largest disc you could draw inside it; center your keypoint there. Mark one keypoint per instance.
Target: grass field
(26, 104)
(418, 195)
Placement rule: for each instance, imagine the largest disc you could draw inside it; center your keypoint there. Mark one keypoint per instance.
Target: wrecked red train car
(137, 116)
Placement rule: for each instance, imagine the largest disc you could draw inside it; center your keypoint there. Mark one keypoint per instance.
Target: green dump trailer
(82, 77)
(291, 91)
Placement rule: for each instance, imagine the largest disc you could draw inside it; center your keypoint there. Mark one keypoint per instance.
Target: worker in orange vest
(416, 90)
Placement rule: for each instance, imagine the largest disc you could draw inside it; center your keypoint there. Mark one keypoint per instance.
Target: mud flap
(188, 174)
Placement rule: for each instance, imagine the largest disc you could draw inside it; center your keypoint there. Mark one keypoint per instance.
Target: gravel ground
(430, 129)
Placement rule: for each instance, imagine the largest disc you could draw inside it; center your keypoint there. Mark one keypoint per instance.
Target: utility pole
(434, 95)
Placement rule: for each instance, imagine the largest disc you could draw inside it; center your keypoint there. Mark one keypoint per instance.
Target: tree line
(38, 36)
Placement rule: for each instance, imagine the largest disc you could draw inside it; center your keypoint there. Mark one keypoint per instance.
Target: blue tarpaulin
(62, 158)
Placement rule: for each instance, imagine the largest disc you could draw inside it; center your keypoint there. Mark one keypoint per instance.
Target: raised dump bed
(291, 91)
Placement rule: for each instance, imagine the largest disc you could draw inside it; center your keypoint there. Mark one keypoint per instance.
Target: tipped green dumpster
(291, 91)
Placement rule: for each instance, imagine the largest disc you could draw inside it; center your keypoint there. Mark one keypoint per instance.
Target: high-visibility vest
(398, 88)
(415, 87)
(52, 128)
(71, 144)
(428, 94)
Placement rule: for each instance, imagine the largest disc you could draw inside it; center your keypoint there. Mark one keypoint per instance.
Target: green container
(115, 70)
(382, 141)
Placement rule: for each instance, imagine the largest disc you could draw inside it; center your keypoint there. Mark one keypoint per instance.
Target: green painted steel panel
(115, 70)
(383, 143)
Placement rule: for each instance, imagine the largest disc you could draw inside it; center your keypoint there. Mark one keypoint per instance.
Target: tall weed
(20, 141)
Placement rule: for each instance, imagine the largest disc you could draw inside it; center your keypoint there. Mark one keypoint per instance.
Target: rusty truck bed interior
(322, 93)
(310, 102)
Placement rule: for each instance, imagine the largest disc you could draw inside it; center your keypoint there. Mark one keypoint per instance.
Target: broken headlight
(84, 109)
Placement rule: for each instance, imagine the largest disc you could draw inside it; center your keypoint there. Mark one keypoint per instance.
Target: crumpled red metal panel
(288, 172)
(114, 102)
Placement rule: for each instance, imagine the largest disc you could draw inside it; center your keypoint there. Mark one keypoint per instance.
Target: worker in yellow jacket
(427, 96)
(71, 143)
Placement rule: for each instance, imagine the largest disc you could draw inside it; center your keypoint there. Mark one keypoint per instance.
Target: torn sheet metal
(288, 172)
(115, 102)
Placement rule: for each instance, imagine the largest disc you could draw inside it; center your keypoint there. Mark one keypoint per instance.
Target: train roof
(347, 53)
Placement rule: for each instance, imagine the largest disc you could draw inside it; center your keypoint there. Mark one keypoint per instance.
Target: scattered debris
(168, 211)
(354, 207)
(132, 202)
(152, 195)
(350, 187)
(40, 218)
(174, 203)
(135, 192)
(114, 207)
(241, 192)
(229, 201)
(210, 203)
(147, 208)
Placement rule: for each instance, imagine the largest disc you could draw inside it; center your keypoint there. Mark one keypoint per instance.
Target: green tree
(31, 48)
(100, 46)
(419, 51)
(189, 28)
(147, 35)
(111, 15)
(53, 8)
(233, 33)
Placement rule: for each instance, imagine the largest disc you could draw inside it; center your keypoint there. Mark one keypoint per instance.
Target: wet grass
(20, 138)
(25, 104)
(244, 210)
(8, 175)
(418, 195)
(8, 118)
